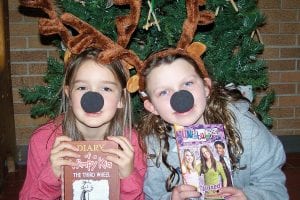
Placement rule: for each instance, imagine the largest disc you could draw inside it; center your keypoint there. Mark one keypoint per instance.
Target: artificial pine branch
(263, 108)
(46, 99)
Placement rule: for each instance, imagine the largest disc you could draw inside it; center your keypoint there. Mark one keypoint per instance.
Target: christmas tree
(233, 44)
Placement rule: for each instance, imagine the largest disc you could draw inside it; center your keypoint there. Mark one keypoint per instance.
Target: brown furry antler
(126, 25)
(194, 50)
(88, 36)
(195, 17)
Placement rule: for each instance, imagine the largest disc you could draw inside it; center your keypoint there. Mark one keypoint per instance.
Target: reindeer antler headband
(89, 37)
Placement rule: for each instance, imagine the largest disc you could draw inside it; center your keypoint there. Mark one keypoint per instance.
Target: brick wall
(281, 36)
(28, 65)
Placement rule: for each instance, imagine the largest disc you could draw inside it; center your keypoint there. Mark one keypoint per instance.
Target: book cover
(93, 177)
(204, 158)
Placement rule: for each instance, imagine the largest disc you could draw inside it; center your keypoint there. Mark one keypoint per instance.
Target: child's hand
(184, 192)
(232, 193)
(60, 153)
(123, 157)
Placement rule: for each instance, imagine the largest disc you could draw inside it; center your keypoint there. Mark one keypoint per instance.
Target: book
(93, 177)
(203, 162)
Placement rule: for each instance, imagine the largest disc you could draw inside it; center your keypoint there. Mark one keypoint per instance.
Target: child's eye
(81, 88)
(106, 89)
(163, 93)
(189, 83)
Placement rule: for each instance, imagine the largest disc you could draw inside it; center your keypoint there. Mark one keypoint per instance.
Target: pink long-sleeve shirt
(41, 183)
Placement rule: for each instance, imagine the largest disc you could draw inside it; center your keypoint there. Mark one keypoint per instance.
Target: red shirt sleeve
(132, 186)
(40, 182)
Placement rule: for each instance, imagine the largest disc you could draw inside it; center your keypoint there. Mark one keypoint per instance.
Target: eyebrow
(105, 82)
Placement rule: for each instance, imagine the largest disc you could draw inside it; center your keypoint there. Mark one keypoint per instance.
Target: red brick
(37, 68)
(278, 112)
(281, 40)
(297, 112)
(289, 101)
(22, 29)
(18, 42)
(269, 4)
(290, 76)
(16, 96)
(284, 88)
(19, 69)
(15, 16)
(21, 108)
(290, 52)
(35, 42)
(290, 28)
(27, 81)
(28, 56)
(282, 132)
(24, 120)
(274, 77)
(270, 53)
(281, 65)
(289, 124)
(282, 15)
(294, 4)
(269, 28)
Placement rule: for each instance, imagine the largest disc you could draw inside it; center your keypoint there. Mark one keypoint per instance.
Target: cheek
(163, 104)
(111, 101)
(75, 100)
(200, 97)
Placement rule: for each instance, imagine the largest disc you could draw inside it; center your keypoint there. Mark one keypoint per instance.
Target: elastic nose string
(92, 102)
(182, 101)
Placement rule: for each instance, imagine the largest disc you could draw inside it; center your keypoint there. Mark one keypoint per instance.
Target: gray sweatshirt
(263, 157)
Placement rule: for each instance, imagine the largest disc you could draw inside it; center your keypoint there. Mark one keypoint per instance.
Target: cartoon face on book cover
(90, 189)
(93, 177)
(204, 158)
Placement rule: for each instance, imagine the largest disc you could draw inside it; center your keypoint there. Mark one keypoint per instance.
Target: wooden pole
(2, 38)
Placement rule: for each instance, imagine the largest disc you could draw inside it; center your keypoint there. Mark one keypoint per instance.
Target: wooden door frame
(7, 124)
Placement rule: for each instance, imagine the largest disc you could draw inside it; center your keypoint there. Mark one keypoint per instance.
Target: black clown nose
(92, 102)
(182, 101)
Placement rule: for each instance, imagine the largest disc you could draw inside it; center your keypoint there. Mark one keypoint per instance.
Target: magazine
(93, 177)
(204, 158)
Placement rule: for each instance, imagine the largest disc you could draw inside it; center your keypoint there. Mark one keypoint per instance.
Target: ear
(207, 86)
(150, 107)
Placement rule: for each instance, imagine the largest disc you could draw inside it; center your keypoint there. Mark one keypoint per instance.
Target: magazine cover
(93, 177)
(204, 158)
